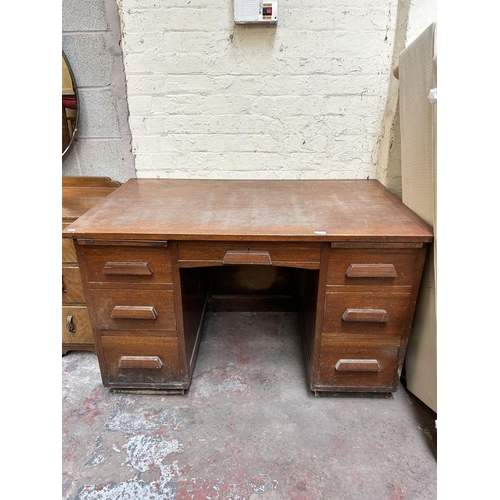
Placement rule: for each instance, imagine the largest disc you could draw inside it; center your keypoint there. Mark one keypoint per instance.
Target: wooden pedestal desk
(146, 251)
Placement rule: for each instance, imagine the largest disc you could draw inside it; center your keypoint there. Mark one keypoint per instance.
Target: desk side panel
(193, 299)
(307, 291)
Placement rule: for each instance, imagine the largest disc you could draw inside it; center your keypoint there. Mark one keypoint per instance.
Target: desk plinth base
(167, 392)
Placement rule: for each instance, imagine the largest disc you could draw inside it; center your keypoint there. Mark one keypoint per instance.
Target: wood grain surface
(260, 210)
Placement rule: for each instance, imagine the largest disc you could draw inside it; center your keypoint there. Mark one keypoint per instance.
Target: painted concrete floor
(248, 428)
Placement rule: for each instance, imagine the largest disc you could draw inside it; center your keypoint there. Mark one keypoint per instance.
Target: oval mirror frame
(70, 106)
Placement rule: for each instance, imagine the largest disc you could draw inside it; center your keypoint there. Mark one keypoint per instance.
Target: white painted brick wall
(211, 99)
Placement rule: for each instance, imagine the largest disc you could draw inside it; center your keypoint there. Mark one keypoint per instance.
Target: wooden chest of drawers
(79, 194)
(355, 250)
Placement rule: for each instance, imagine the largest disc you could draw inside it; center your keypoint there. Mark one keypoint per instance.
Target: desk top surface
(265, 210)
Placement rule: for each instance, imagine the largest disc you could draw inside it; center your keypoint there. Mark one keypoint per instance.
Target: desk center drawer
(134, 309)
(304, 255)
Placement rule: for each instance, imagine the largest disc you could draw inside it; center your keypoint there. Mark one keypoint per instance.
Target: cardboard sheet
(418, 113)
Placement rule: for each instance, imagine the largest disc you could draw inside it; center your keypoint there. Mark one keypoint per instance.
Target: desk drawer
(365, 312)
(367, 267)
(72, 289)
(131, 265)
(76, 327)
(140, 362)
(357, 366)
(134, 309)
(304, 255)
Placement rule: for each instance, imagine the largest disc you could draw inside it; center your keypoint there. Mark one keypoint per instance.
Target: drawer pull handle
(69, 324)
(63, 289)
(366, 315)
(357, 365)
(134, 312)
(151, 362)
(128, 268)
(371, 271)
(249, 257)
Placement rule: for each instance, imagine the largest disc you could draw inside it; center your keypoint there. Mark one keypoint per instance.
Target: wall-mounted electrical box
(255, 11)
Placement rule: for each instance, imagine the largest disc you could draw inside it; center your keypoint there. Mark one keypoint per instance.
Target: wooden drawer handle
(151, 362)
(366, 315)
(357, 365)
(371, 271)
(134, 312)
(249, 257)
(128, 268)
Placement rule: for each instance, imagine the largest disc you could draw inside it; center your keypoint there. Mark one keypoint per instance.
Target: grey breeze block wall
(91, 41)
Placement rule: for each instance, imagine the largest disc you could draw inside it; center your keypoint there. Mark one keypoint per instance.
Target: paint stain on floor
(247, 429)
